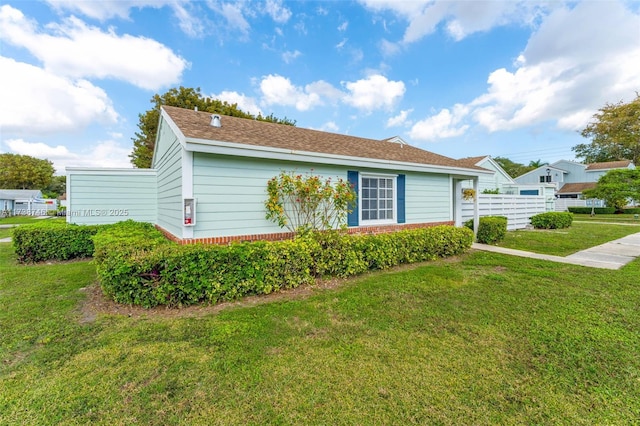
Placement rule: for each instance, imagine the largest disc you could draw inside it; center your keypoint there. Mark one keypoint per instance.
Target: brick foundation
(376, 229)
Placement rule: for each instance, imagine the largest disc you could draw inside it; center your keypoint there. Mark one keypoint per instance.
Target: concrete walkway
(612, 255)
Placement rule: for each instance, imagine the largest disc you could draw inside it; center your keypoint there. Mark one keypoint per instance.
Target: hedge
(167, 274)
(596, 210)
(53, 240)
(552, 220)
(56, 240)
(492, 229)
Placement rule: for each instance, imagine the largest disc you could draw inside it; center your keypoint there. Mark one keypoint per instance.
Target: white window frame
(365, 222)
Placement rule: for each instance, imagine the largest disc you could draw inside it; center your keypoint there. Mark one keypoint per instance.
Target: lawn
(618, 218)
(480, 339)
(21, 220)
(563, 242)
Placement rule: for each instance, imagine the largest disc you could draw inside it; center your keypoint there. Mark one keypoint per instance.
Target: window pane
(377, 198)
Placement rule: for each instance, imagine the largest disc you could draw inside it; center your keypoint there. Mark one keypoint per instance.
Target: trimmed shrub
(631, 210)
(596, 210)
(147, 273)
(492, 229)
(53, 240)
(552, 220)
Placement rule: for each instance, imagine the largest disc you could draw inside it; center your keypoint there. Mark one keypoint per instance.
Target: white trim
(174, 128)
(257, 151)
(187, 188)
(107, 170)
(67, 189)
(374, 222)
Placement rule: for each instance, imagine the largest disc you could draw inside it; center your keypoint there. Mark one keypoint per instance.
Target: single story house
(22, 202)
(569, 178)
(210, 172)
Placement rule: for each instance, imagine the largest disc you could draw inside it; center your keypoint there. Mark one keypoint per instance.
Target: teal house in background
(210, 172)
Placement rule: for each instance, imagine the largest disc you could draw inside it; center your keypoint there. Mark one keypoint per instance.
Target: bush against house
(177, 275)
(308, 202)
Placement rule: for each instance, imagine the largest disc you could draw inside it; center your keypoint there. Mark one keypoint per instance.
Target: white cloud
(188, 22)
(445, 124)
(107, 9)
(278, 13)
(35, 101)
(324, 90)
(373, 92)
(330, 126)
(289, 56)
(343, 27)
(278, 90)
(102, 154)
(400, 119)
(341, 44)
(460, 18)
(389, 48)
(232, 12)
(245, 103)
(76, 50)
(579, 59)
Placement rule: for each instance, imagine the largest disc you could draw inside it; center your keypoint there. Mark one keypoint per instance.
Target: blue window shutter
(401, 210)
(352, 218)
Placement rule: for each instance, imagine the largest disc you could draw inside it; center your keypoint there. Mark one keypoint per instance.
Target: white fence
(562, 204)
(518, 209)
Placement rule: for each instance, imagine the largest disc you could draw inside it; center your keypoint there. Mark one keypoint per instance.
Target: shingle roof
(472, 161)
(609, 165)
(576, 188)
(15, 194)
(196, 125)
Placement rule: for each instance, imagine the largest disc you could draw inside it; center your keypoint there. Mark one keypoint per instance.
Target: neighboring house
(20, 201)
(210, 172)
(501, 180)
(569, 178)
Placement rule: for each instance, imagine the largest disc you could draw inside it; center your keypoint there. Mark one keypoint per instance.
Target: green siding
(103, 196)
(168, 162)
(428, 198)
(231, 192)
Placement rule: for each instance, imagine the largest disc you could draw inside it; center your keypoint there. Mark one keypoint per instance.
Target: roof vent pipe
(215, 120)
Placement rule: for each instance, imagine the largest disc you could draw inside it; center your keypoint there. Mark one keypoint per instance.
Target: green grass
(615, 218)
(21, 220)
(481, 339)
(563, 242)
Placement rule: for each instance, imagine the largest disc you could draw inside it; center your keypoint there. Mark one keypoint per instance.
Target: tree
(512, 168)
(183, 97)
(614, 133)
(56, 187)
(535, 164)
(617, 187)
(24, 172)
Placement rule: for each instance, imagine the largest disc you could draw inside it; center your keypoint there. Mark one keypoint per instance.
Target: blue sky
(503, 78)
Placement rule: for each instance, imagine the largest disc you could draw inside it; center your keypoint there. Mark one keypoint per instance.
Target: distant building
(569, 178)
